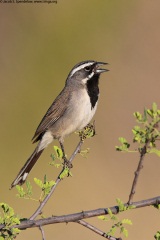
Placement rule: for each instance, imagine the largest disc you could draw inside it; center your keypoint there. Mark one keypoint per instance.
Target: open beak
(100, 70)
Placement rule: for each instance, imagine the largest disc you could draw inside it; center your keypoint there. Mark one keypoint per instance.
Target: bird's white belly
(81, 112)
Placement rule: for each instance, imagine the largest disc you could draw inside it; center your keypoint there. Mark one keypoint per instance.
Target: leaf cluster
(45, 187)
(87, 132)
(8, 218)
(57, 157)
(26, 194)
(147, 131)
(117, 223)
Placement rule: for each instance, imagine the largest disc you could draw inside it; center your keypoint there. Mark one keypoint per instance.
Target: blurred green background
(40, 43)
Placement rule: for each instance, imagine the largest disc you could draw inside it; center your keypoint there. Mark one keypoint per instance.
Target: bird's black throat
(93, 89)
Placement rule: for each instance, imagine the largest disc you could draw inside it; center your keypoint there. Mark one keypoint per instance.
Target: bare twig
(82, 215)
(42, 232)
(137, 172)
(43, 203)
(96, 230)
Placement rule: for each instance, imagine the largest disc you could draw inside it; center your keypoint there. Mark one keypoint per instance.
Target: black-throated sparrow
(72, 110)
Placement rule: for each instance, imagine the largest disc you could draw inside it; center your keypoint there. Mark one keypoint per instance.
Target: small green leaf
(138, 116)
(15, 230)
(125, 145)
(145, 115)
(157, 235)
(53, 157)
(124, 231)
(112, 231)
(121, 206)
(150, 112)
(21, 192)
(154, 107)
(104, 218)
(127, 221)
(58, 151)
(84, 153)
(65, 173)
(109, 212)
(38, 182)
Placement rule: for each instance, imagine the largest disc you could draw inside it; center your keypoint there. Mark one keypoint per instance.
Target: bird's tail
(22, 175)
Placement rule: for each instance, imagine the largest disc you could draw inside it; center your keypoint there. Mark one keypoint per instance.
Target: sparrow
(71, 111)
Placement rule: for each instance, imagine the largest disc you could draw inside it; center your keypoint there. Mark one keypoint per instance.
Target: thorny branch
(96, 230)
(81, 215)
(42, 232)
(58, 180)
(137, 172)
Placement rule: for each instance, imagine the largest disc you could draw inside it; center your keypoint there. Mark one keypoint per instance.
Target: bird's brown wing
(55, 111)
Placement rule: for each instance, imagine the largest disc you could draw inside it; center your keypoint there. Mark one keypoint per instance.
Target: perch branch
(81, 215)
(43, 203)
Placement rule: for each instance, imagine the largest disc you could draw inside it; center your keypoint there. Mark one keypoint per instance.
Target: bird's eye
(88, 68)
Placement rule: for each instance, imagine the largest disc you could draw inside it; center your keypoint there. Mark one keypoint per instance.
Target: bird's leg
(67, 163)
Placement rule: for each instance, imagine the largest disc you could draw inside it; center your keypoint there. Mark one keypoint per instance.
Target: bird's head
(85, 71)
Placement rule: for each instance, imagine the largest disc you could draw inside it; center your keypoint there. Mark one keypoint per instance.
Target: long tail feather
(22, 175)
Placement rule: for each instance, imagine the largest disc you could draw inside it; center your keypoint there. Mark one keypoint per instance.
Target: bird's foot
(88, 131)
(67, 163)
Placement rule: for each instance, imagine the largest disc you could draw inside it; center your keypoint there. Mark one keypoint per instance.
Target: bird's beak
(100, 70)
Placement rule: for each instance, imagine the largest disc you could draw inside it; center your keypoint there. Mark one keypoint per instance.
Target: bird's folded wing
(55, 111)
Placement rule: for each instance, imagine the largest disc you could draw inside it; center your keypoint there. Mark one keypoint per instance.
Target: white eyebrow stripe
(80, 67)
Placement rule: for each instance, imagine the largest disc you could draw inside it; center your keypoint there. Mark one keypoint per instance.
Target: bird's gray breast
(80, 109)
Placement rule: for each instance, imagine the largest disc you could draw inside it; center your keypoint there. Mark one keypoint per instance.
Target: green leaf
(138, 116)
(124, 231)
(104, 218)
(47, 187)
(21, 192)
(125, 145)
(154, 107)
(58, 151)
(29, 188)
(53, 157)
(157, 235)
(84, 153)
(127, 221)
(109, 212)
(145, 115)
(38, 182)
(112, 231)
(121, 205)
(15, 231)
(150, 112)
(66, 172)
(122, 140)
